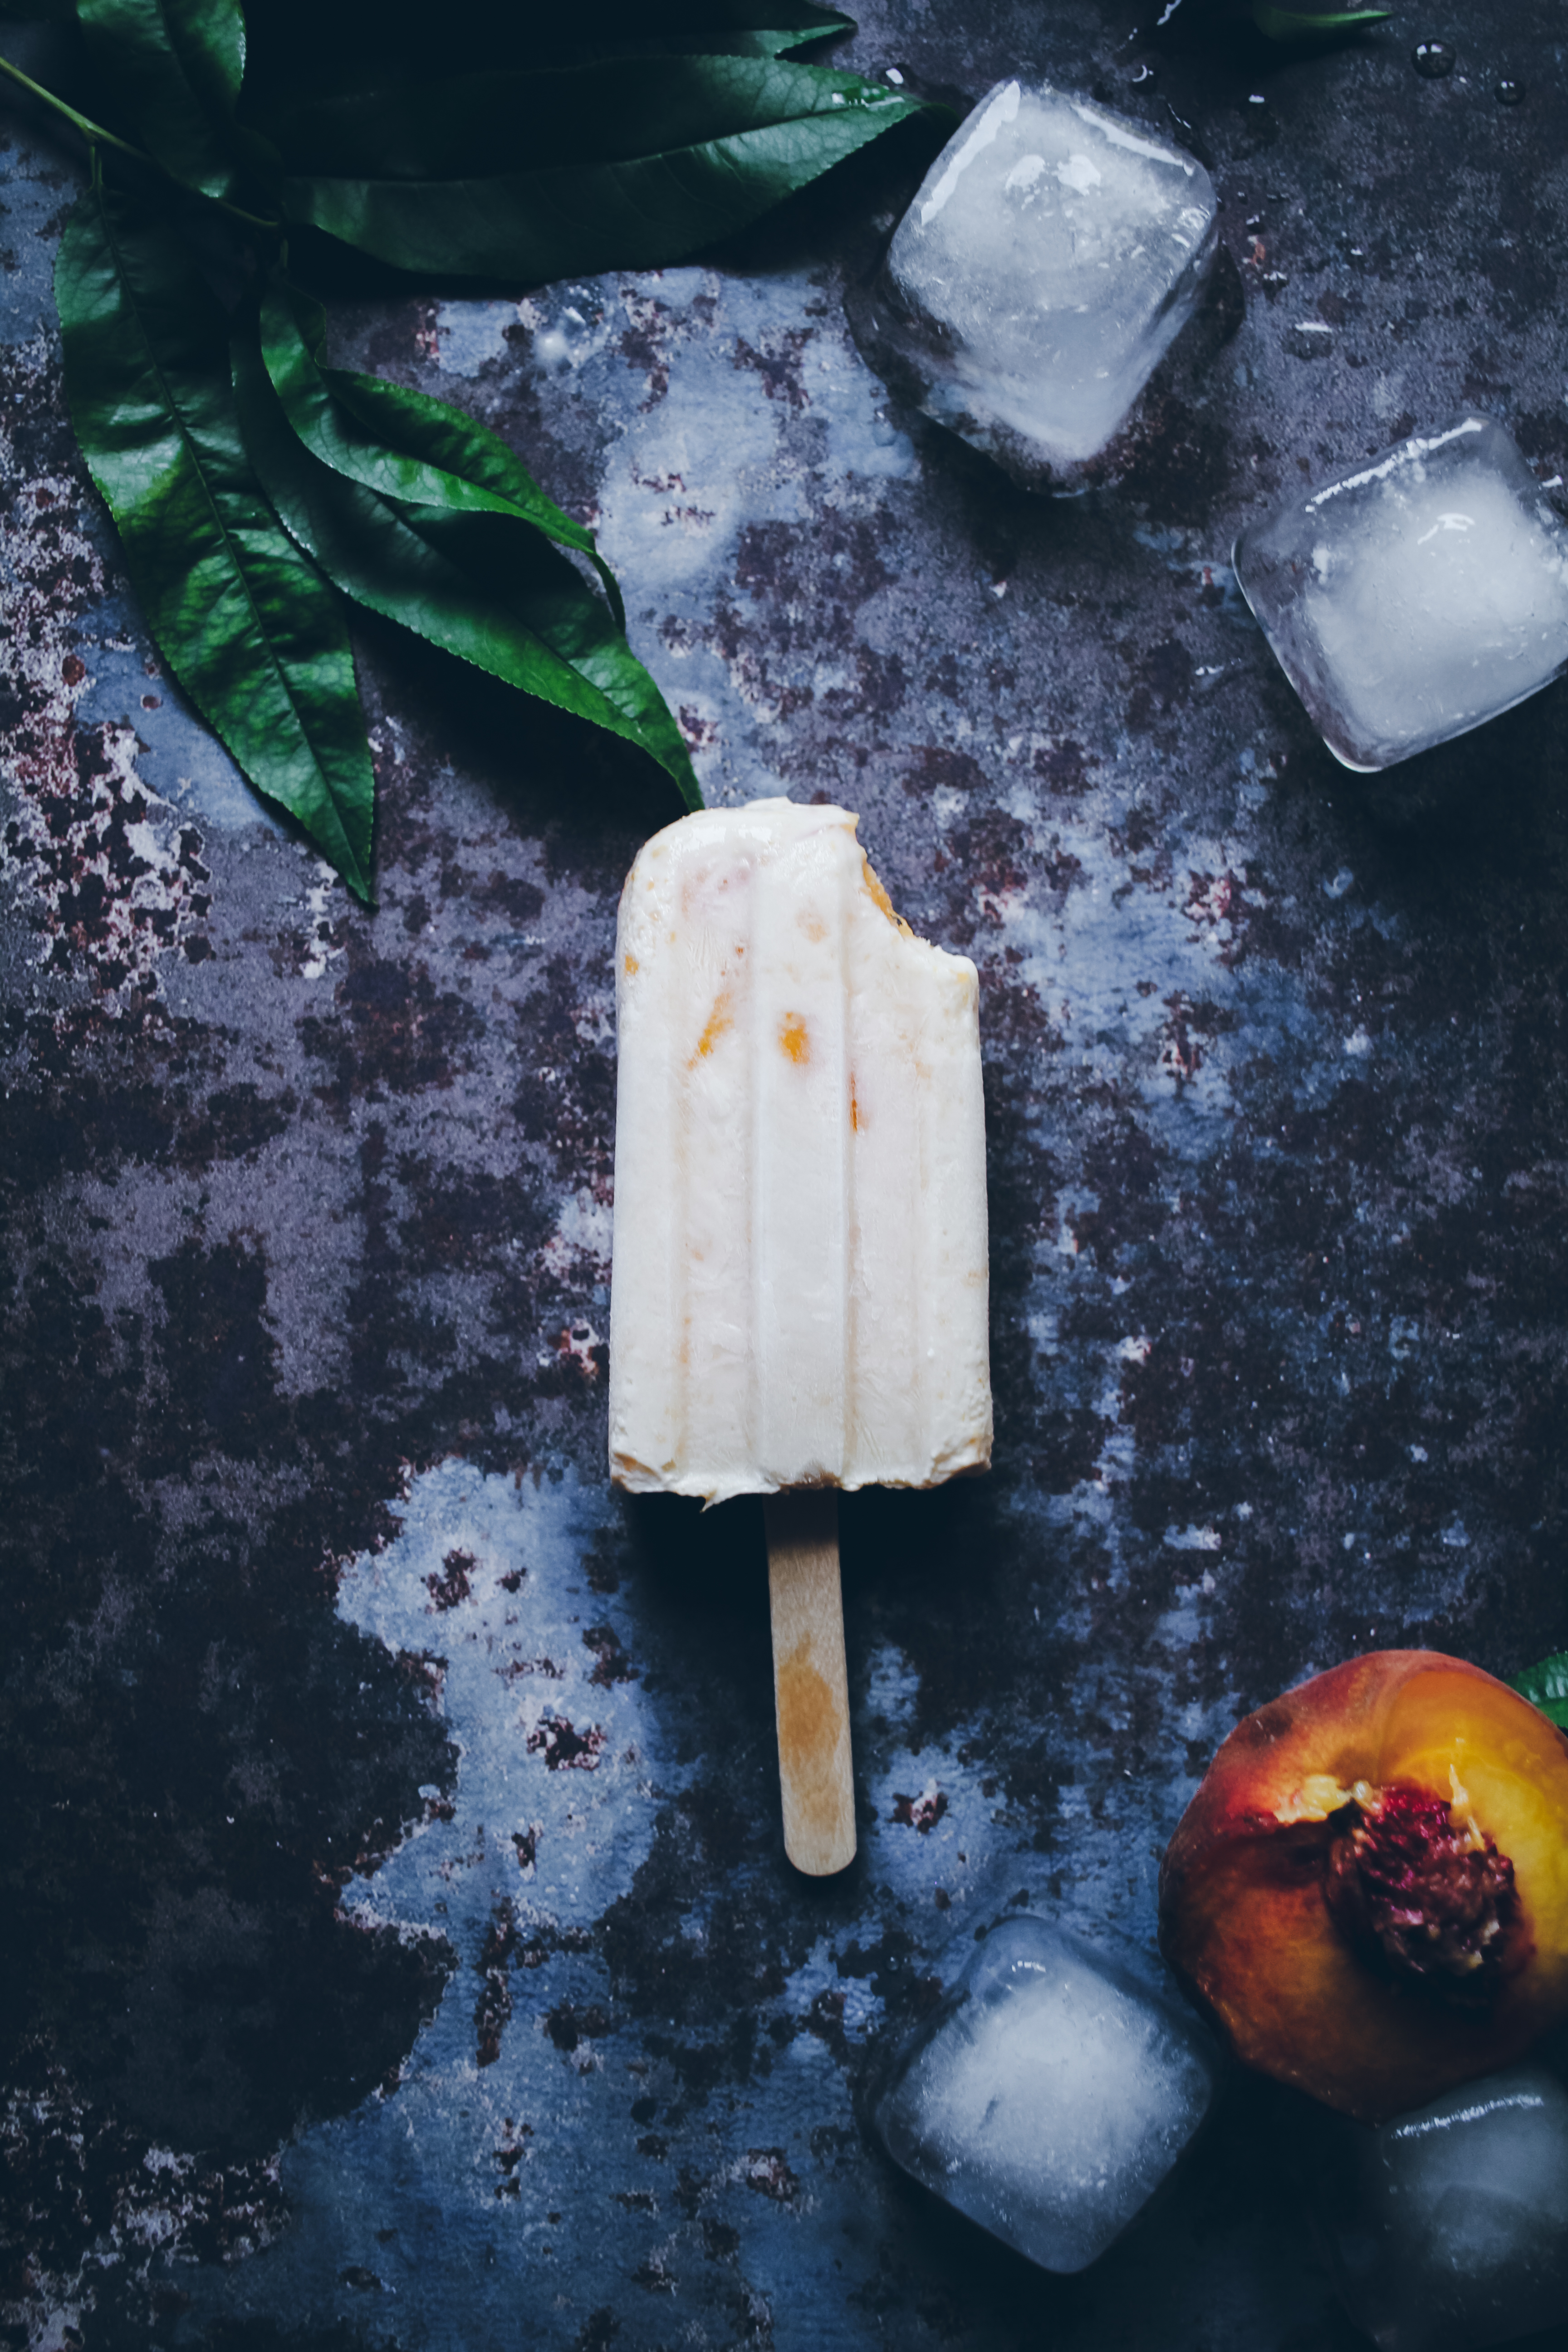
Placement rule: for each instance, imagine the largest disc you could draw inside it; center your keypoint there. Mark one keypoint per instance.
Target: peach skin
(1369, 1892)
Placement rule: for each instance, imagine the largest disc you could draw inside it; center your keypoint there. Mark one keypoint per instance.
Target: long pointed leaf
(756, 41)
(467, 125)
(348, 45)
(564, 612)
(401, 443)
(629, 165)
(486, 587)
(1308, 25)
(246, 622)
(173, 67)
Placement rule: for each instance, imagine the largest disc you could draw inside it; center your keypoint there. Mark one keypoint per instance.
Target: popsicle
(799, 1291)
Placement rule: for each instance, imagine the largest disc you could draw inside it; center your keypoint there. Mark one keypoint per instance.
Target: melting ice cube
(1415, 597)
(1052, 255)
(1051, 2095)
(1448, 2227)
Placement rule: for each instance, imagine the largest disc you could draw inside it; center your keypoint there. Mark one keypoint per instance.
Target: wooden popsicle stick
(811, 1689)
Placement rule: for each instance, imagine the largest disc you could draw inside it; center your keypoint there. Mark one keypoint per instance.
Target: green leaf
(467, 126)
(711, 28)
(1546, 1686)
(686, 32)
(629, 165)
(343, 45)
(757, 42)
(487, 587)
(402, 443)
(174, 68)
(246, 622)
(1306, 23)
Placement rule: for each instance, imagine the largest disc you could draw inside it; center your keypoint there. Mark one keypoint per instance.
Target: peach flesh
(1245, 1917)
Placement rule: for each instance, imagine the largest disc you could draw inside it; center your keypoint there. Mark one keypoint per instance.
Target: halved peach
(1369, 1890)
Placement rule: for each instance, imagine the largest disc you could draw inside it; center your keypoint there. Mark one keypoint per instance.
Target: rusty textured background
(398, 1946)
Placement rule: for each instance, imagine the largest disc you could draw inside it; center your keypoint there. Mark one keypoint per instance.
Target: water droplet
(892, 74)
(1434, 59)
(1141, 76)
(1511, 93)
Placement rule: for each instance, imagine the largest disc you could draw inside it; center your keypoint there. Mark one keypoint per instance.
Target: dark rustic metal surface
(399, 1946)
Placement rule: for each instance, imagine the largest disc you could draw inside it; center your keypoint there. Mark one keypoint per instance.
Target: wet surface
(401, 1949)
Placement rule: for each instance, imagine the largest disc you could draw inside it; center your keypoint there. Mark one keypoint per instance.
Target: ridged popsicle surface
(799, 1288)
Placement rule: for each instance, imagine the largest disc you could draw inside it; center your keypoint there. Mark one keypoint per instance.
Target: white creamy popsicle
(800, 1241)
(800, 1281)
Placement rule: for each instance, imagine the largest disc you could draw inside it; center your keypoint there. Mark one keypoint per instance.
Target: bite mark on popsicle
(876, 892)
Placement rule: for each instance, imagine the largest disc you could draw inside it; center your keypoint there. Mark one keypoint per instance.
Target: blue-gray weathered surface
(401, 1949)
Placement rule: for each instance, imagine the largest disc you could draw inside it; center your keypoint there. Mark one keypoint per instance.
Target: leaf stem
(93, 132)
(98, 137)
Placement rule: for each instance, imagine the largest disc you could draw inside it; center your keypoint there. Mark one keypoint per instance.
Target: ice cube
(1448, 2228)
(1051, 256)
(1050, 2096)
(1415, 596)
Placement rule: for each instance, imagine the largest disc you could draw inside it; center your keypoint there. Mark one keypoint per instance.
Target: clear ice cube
(1053, 252)
(1416, 596)
(1448, 2228)
(1050, 2096)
